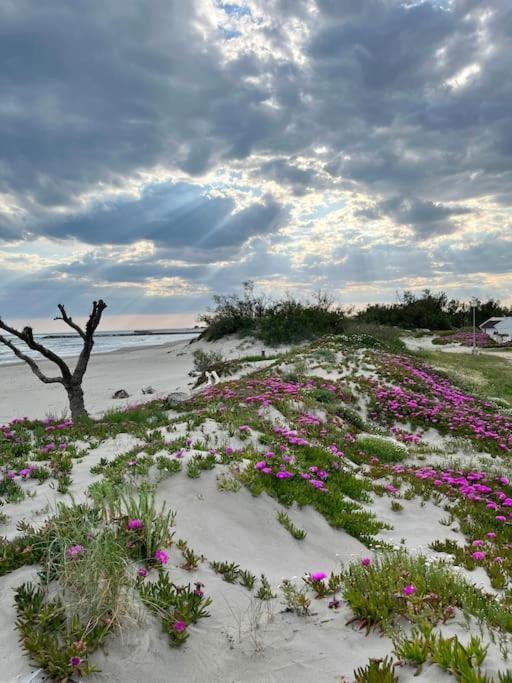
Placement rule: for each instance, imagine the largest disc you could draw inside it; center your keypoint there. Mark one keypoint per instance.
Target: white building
(499, 329)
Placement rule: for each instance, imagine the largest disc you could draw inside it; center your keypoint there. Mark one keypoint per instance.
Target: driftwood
(70, 379)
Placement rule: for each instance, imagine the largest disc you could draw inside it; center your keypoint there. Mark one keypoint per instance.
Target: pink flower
(491, 535)
(244, 428)
(142, 572)
(477, 544)
(366, 561)
(135, 524)
(161, 557)
(478, 555)
(74, 551)
(261, 464)
(74, 662)
(317, 576)
(410, 589)
(284, 475)
(180, 626)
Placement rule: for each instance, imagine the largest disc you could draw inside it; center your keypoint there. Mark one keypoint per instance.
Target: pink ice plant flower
(161, 557)
(317, 576)
(478, 555)
(410, 589)
(366, 561)
(180, 626)
(74, 551)
(134, 524)
(74, 662)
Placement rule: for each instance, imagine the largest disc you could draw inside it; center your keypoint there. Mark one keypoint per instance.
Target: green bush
(381, 447)
(284, 321)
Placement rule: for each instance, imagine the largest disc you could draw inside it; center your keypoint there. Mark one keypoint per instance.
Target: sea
(69, 345)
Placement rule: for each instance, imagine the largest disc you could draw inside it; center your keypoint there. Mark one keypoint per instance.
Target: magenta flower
(161, 557)
(135, 524)
(491, 535)
(74, 551)
(180, 626)
(142, 572)
(366, 561)
(74, 662)
(477, 544)
(317, 576)
(284, 475)
(410, 589)
(478, 555)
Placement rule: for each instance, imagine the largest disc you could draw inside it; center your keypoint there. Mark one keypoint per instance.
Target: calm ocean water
(69, 346)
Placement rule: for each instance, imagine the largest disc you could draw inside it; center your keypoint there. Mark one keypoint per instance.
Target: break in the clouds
(156, 153)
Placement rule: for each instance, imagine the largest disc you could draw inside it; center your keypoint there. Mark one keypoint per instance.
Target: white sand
(165, 368)
(244, 640)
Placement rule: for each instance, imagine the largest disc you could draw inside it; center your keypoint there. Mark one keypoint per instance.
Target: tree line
(433, 311)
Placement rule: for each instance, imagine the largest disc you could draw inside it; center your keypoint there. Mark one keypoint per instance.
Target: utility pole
(473, 304)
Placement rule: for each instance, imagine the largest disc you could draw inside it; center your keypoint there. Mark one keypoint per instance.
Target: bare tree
(71, 380)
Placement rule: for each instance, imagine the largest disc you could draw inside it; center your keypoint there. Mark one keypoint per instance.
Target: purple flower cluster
(420, 396)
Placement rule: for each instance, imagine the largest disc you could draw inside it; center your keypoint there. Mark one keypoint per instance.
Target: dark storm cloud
(426, 219)
(172, 215)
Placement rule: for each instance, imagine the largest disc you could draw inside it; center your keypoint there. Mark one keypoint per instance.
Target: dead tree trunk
(70, 380)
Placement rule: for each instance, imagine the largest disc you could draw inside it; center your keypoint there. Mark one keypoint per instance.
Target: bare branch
(27, 335)
(31, 363)
(72, 382)
(94, 320)
(69, 321)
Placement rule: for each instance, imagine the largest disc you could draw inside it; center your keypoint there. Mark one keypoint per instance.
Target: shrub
(203, 360)
(384, 448)
(283, 321)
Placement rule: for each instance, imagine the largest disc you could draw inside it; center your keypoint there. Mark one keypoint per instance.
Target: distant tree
(430, 310)
(71, 380)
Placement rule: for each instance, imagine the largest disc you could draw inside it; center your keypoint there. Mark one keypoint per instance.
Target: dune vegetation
(388, 479)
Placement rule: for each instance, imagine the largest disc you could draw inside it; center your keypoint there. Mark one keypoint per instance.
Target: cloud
(219, 133)
(176, 216)
(426, 219)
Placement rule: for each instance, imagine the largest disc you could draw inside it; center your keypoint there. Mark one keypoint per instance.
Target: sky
(155, 153)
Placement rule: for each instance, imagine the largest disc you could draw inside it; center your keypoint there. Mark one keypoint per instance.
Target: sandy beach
(246, 639)
(165, 368)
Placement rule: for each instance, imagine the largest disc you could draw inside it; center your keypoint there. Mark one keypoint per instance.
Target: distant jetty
(132, 333)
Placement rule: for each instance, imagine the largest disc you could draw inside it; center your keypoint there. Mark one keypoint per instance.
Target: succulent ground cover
(466, 338)
(332, 427)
